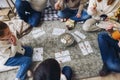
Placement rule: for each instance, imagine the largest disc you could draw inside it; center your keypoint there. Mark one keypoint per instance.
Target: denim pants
(68, 13)
(24, 61)
(67, 71)
(109, 51)
(26, 13)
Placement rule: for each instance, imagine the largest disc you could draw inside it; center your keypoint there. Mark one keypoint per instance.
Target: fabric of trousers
(68, 13)
(67, 71)
(109, 50)
(27, 14)
(24, 61)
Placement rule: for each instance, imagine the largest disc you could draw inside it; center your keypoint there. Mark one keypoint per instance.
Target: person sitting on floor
(12, 53)
(30, 11)
(109, 49)
(73, 10)
(50, 69)
(96, 8)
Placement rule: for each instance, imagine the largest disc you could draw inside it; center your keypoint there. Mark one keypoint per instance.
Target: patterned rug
(83, 65)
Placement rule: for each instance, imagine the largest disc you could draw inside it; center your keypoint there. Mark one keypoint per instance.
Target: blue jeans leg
(22, 7)
(67, 71)
(66, 13)
(26, 13)
(24, 61)
(34, 18)
(109, 51)
(84, 16)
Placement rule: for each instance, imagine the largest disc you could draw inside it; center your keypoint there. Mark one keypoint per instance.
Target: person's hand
(78, 15)
(93, 9)
(57, 6)
(110, 28)
(12, 40)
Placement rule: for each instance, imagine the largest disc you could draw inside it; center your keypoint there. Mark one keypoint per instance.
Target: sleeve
(90, 5)
(17, 48)
(82, 2)
(114, 12)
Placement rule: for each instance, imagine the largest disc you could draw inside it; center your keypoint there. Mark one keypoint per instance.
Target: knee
(102, 35)
(29, 50)
(35, 18)
(86, 27)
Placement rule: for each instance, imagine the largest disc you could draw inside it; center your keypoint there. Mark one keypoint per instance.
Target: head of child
(109, 2)
(48, 70)
(5, 32)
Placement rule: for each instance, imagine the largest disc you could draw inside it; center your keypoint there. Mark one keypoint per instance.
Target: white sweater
(38, 5)
(8, 50)
(103, 8)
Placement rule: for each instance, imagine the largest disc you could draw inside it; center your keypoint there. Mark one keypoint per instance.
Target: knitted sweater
(76, 4)
(38, 5)
(103, 8)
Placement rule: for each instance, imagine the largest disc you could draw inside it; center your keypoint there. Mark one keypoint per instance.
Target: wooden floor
(114, 76)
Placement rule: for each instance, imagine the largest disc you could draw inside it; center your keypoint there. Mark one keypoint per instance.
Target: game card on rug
(63, 56)
(37, 54)
(58, 31)
(37, 33)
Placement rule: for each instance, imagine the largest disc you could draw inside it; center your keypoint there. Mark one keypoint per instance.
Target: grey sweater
(76, 4)
(38, 5)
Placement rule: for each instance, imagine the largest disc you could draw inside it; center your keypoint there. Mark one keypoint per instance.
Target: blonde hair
(110, 2)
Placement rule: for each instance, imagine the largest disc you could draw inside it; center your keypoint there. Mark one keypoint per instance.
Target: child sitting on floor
(73, 10)
(12, 53)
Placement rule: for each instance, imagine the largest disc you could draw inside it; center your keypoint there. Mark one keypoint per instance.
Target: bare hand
(78, 15)
(57, 6)
(110, 28)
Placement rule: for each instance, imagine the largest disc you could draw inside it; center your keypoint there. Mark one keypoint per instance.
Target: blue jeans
(24, 61)
(68, 13)
(26, 13)
(67, 71)
(109, 51)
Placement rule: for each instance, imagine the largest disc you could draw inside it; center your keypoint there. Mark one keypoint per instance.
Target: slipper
(70, 24)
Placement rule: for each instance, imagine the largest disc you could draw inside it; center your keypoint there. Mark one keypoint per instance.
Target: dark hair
(3, 26)
(109, 1)
(48, 70)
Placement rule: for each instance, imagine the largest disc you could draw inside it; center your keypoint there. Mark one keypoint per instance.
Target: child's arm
(92, 8)
(58, 4)
(81, 6)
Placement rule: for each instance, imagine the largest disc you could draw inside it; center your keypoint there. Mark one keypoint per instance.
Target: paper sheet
(37, 54)
(81, 35)
(37, 33)
(63, 56)
(58, 31)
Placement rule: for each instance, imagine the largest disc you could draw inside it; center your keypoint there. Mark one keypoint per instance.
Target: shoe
(70, 24)
(104, 71)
